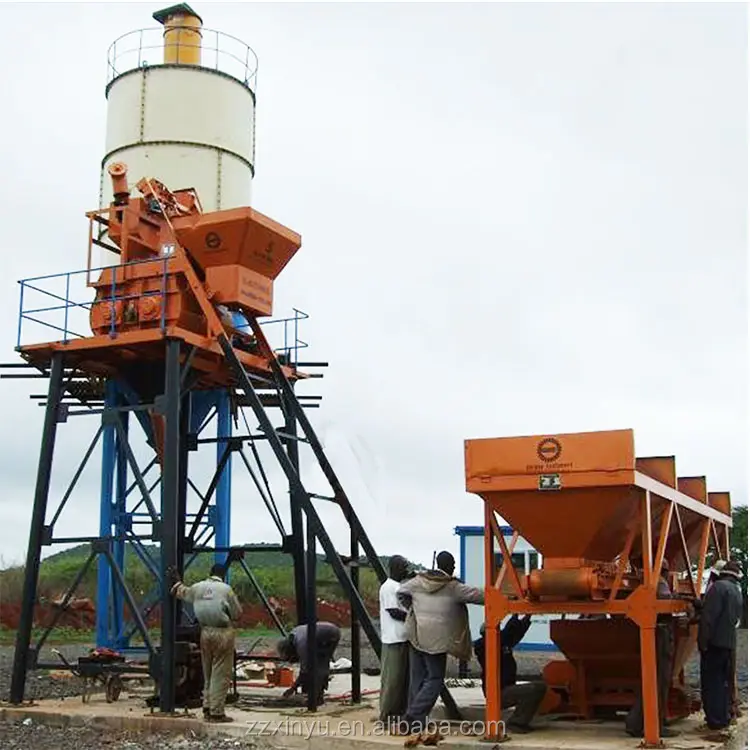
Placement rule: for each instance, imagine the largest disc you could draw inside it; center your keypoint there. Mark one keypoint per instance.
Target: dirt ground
(40, 685)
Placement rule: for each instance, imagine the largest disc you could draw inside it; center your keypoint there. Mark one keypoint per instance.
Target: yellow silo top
(182, 34)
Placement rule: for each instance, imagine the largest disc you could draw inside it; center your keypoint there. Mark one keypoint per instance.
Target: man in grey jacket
(217, 609)
(437, 625)
(717, 641)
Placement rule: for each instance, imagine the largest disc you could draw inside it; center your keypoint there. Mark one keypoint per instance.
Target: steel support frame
(169, 522)
(36, 531)
(316, 531)
(641, 605)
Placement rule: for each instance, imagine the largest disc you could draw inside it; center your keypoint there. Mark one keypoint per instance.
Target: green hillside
(272, 568)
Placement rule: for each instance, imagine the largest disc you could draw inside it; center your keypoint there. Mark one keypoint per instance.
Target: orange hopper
(604, 522)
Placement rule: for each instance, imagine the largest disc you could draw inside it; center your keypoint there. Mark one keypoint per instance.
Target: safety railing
(71, 296)
(62, 303)
(218, 51)
(293, 344)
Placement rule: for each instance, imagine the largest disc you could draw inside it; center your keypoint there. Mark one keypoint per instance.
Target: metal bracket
(235, 443)
(110, 417)
(156, 531)
(47, 532)
(62, 412)
(100, 546)
(235, 555)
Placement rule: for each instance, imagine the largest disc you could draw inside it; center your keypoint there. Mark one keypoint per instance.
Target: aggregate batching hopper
(605, 523)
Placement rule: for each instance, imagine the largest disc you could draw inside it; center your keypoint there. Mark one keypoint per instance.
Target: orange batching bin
(604, 521)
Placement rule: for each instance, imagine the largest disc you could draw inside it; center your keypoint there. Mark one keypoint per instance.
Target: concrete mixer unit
(608, 525)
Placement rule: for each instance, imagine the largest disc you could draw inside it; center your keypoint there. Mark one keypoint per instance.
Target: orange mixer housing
(236, 253)
(180, 273)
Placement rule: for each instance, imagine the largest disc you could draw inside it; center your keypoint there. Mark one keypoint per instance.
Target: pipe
(182, 34)
(578, 583)
(119, 174)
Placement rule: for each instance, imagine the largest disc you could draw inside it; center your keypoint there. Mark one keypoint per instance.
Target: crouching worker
(217, 609)
(295, 648)
(525, 698)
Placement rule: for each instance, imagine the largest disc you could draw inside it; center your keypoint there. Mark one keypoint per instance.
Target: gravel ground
(39, 737)
(40, 685)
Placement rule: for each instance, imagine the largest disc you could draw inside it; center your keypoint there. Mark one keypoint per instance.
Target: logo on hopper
(213, 241)
(549, 450)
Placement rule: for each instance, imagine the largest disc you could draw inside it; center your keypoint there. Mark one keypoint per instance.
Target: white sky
(516, 219)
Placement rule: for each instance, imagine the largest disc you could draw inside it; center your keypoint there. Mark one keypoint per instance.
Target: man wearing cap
(714, 573)
(437, 624)
(717, 641)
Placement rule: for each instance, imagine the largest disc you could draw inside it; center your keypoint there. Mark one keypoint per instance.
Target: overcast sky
(516, 219)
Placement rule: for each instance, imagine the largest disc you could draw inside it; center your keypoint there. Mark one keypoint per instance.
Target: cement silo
(181, 105)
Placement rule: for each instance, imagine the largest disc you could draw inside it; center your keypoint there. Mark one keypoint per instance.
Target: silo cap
(181, 8)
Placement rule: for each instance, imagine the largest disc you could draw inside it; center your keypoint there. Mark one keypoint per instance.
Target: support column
(105, 619)
(312, 619)
(298, 539)
(121, 526)
(36, 531)
(169, 522)
(356, 636)
(182, 522)
(224, 486)
(649, 686)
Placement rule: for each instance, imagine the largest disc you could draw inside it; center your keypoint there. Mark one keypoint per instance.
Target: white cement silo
(181, 108)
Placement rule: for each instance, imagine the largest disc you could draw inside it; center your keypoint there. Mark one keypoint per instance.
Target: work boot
(206, 713)
(221, 719)
(431, 739)
(413, 740)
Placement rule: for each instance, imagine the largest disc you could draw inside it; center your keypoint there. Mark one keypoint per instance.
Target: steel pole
(105, 630)
(298, 534)
(34, 552)
(169, 522)
(313, 678)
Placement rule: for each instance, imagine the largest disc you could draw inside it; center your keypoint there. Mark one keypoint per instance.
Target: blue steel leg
(121, 526)
(224, 487)
(104, 634)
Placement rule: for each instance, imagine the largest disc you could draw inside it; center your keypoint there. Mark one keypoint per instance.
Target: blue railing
(70, 294)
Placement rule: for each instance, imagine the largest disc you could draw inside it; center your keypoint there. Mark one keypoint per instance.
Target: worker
(664, 657)
(437, 625)
(714, 573)
(525, 698)
(394, 656)
(217, 609)
(295, 648)
(717, 642)
(713, 576)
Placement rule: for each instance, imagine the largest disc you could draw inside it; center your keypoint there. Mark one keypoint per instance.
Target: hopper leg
(649, 687)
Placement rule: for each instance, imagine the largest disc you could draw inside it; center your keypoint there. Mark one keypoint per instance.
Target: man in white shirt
(394, 656)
